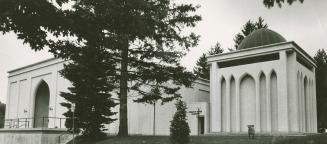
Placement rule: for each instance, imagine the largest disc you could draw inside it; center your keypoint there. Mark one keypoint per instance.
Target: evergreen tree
(179, 128)
(145, 37)
(2, 114)
(248, 28)
(321, 87)
(202, 68)
(91, 92)
(217, 49)
(271, 3)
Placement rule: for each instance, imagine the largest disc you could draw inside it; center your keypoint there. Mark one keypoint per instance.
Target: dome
(261, 37)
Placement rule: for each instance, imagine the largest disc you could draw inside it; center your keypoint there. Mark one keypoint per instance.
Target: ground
(312, 139)
(194, 140)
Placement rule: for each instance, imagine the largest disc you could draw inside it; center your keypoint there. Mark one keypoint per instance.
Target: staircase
(64, 138)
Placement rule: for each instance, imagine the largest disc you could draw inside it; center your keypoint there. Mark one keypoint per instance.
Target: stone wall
(30, 136)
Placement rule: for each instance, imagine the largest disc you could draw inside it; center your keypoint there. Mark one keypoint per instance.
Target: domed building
(267, 82)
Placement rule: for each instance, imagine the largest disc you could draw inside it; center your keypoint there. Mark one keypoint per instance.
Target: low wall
(30, 136)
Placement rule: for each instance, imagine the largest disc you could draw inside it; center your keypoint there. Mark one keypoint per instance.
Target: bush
(179, 128)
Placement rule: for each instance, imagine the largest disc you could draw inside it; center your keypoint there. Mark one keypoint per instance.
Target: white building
(268, 82)
(34, 98)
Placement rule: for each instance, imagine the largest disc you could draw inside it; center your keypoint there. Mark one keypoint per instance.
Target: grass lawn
(194, 140)
(313, 139)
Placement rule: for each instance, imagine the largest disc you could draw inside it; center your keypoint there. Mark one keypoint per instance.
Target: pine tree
(321, 87)
(145, 37)
(248, 28)
(179, 128)
(202, 68)
(271, 3)
(91, 92)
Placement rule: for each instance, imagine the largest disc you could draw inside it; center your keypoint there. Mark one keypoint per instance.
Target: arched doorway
(41, 108)
(247, 97)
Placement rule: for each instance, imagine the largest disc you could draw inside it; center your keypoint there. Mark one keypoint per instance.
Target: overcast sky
(306, 24)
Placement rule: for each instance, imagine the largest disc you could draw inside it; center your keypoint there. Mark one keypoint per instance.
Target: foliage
(321, 87)
(145, 37)
(248, 28)
(216, 49)
(271, 3)
(179, 128)
(2, 114)
(202, 68)
(90, 91)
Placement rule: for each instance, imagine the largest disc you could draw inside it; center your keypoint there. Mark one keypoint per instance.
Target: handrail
(26, 122)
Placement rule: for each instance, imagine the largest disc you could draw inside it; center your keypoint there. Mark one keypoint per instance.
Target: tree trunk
(123, 121)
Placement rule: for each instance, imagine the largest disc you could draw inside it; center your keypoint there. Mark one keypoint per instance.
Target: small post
(18, 123)
(42, 122)
(73, 110)
(59, 122)
(154, 118)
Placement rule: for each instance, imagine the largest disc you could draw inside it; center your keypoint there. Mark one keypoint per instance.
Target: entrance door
(201, 125)
(41, 109)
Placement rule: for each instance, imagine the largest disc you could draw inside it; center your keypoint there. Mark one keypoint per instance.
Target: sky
(306, 24)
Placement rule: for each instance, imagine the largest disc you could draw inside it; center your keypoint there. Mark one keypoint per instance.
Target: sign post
(73, 110)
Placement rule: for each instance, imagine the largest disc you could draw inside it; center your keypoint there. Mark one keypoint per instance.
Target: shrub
(179, 128)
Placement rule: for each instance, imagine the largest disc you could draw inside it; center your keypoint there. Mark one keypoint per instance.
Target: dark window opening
(250, 60)
(304, 62)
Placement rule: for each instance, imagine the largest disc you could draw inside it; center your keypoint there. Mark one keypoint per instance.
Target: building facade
(267, 82)
(34, 101)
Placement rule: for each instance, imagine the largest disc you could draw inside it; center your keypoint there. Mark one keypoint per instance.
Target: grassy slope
(313, 139)
(194, 140)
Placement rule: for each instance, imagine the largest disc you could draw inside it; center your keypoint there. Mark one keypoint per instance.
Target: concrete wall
(24, 82)
(30, 136)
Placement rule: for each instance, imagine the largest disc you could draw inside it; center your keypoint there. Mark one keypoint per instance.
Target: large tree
(321, 87)
(91, 91)
(248, 28)
(271, 3)
(145, 37)
(202, 69)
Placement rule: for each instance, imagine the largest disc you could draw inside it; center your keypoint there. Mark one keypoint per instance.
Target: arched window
(223, 104)
(274, 101)
(263, 102)
(233, 104)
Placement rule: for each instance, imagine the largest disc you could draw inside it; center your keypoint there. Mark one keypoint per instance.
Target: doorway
(41, 108)
(201, 125)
